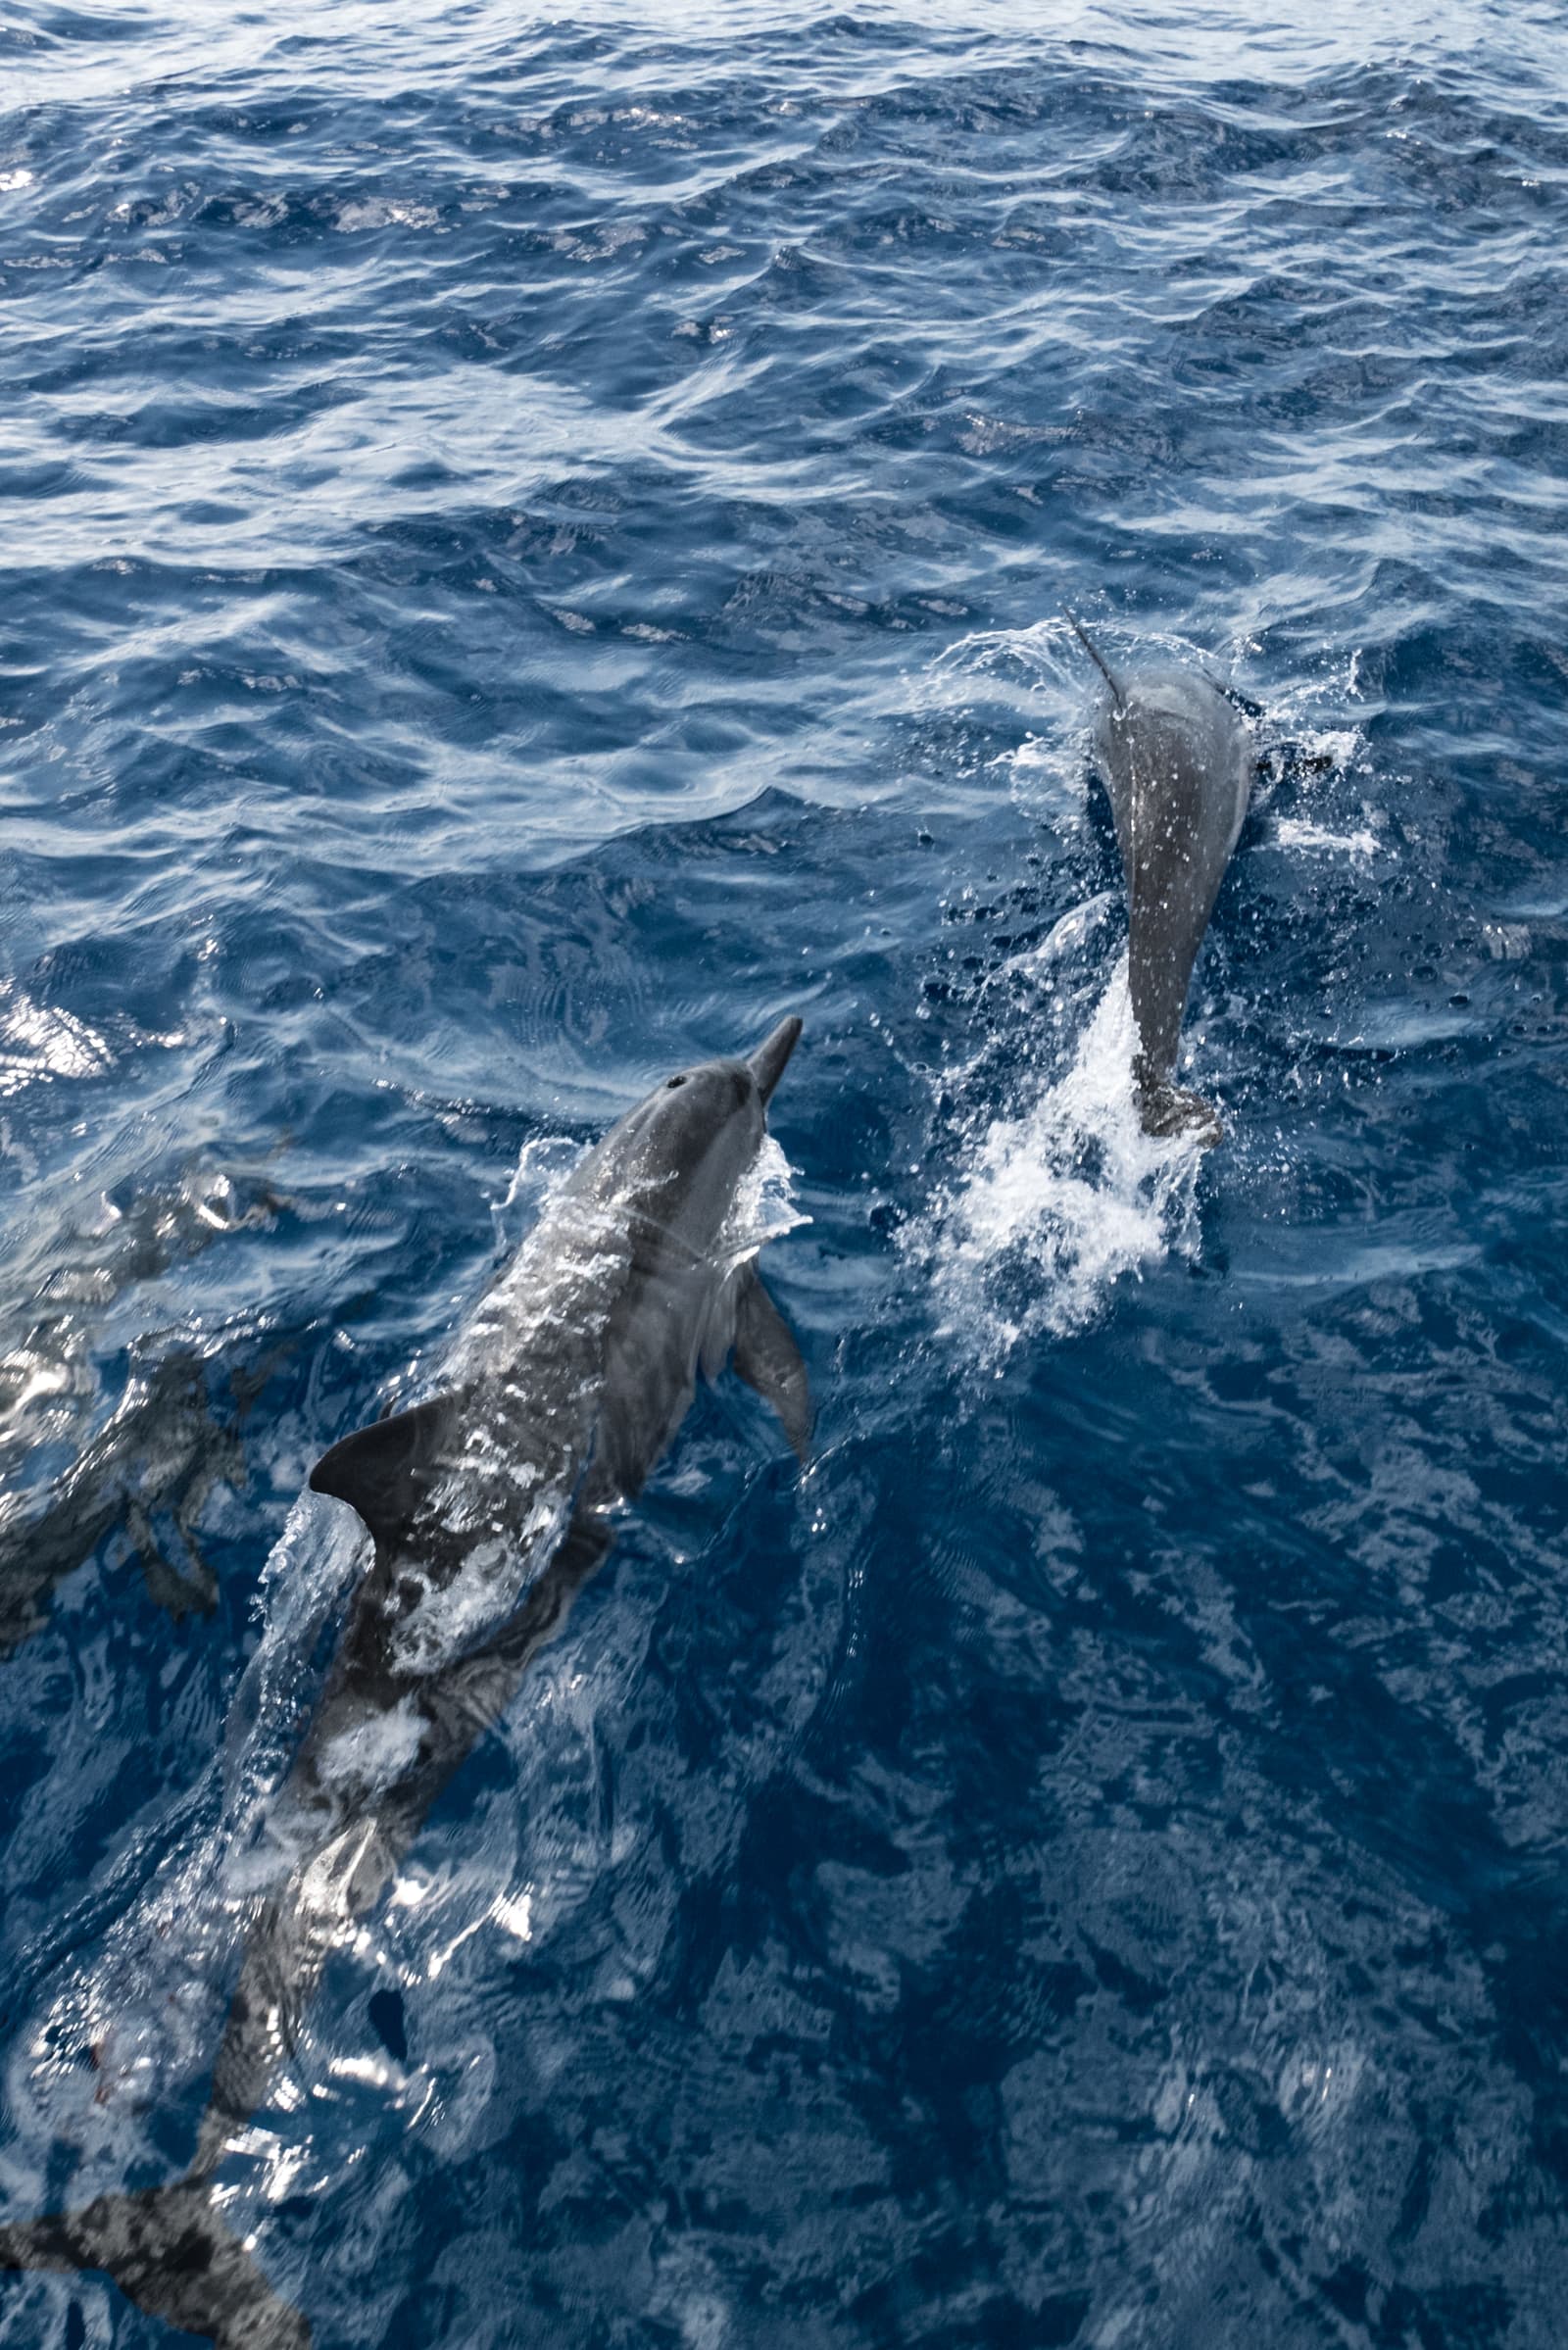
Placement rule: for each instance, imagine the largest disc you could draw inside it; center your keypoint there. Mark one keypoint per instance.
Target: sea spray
(1058, 1199)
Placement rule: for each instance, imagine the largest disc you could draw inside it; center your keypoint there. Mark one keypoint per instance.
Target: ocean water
(535, 546)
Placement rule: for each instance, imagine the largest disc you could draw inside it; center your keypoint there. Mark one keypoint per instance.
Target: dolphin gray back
(568, 1383)
(1176, 757)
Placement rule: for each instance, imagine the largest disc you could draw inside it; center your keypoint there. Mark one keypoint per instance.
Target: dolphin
(488, 1507)
(163, 1447)
(1177, 759)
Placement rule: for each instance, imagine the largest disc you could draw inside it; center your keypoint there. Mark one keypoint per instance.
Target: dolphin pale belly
(1177, 759)
(488, 1507)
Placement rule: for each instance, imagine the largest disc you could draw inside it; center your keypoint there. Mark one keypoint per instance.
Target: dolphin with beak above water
(488, 1505)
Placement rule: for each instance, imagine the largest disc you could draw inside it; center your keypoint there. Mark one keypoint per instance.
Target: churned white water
(1063, 1196)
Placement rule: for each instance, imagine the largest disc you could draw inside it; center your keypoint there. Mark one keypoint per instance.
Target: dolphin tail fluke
(1166, 1109)
(1098, 658)
(168, 2251)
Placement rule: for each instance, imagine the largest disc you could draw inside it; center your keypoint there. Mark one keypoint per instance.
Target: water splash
(543, 1166)
(1299, 832)
(764, 1206)
(1060, 1200)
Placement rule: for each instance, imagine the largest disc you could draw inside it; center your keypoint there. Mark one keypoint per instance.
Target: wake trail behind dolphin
(1062, 1196)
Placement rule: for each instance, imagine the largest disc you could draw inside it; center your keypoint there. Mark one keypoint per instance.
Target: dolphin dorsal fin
(768, 1359)
(384, 1471)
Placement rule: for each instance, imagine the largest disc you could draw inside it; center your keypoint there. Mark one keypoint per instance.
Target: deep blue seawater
(534, 547)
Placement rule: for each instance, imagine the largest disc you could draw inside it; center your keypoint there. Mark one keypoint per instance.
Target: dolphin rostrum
(489, 1506)
(1176, 757)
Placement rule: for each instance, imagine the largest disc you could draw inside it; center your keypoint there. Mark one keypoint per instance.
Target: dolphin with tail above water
(1176, 756)
(489, 1506)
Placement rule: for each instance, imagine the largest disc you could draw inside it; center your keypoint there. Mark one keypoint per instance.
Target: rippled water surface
(534, 548)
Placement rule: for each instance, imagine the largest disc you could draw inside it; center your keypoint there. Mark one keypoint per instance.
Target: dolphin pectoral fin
(193, 1593)
(768, 1359)
(385, 1470)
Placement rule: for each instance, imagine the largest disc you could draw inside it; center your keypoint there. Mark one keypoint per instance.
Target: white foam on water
(1295, 832)
(380, 211)
(1341, 747)
(1062, 1198)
